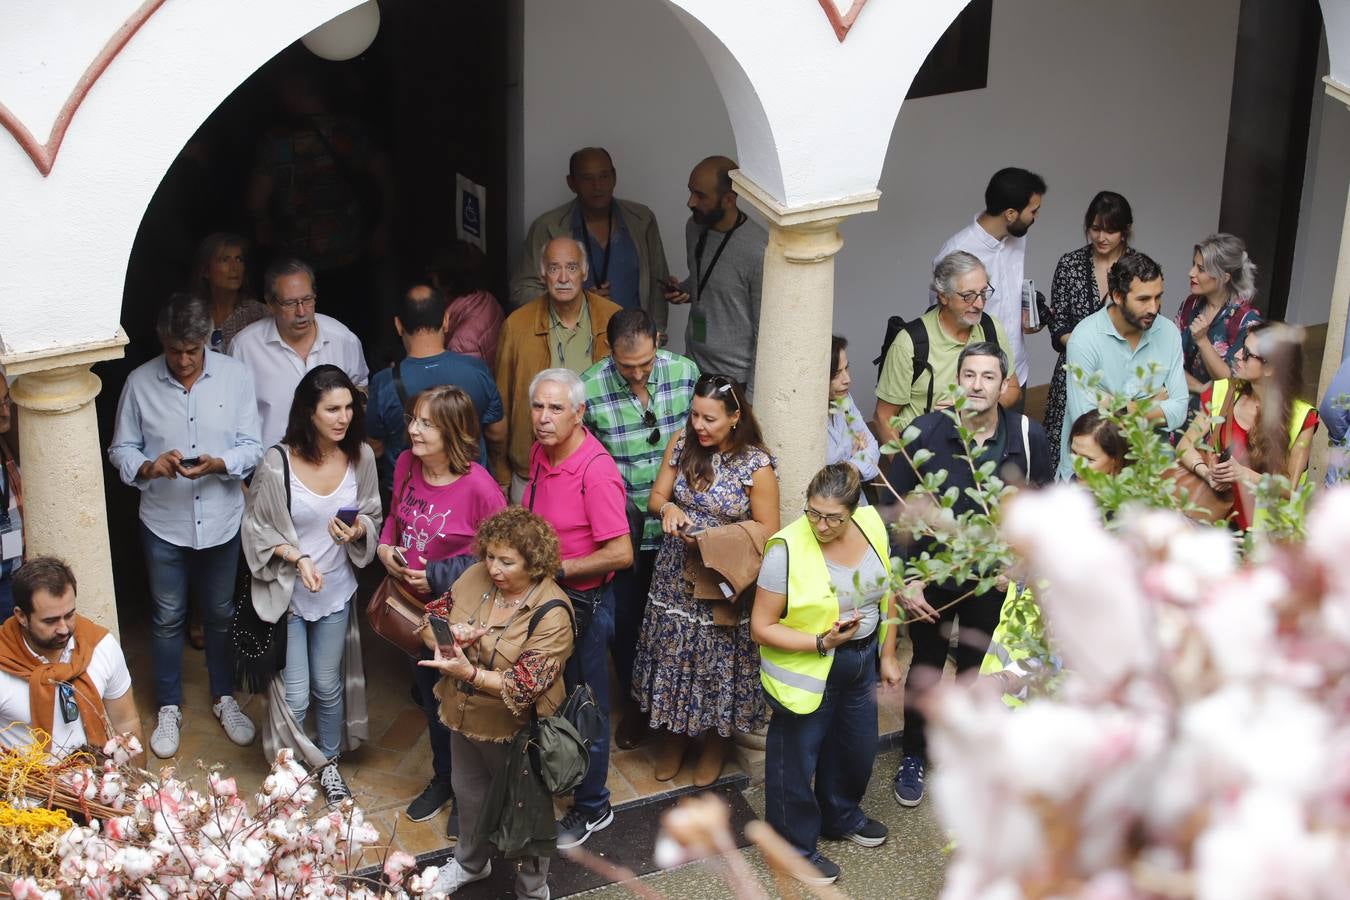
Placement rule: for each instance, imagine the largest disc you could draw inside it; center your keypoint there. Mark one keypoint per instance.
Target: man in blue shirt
(1135, 351)
(186, 436)
(421, 324)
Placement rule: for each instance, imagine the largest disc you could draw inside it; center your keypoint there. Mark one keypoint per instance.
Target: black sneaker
(871, 834)
(828, 871)
(577, 826)
(432, 800)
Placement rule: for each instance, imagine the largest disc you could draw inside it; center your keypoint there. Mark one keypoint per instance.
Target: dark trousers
(836, 745)
(973, 620)
(589, 664)
(630, 605)
(425, 679)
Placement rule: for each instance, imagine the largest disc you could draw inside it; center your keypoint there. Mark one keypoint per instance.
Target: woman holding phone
(441, 496)
(493, 672)
(304, 558)
(819, 618)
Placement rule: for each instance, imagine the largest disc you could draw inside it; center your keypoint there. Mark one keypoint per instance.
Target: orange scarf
(18, 660)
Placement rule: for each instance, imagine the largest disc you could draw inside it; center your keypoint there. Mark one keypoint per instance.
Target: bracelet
(661, 510)
(820, 645)
(300, 557)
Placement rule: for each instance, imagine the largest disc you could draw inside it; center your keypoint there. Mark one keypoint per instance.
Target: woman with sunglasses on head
(691, 676)
(1079, 289)
(819, 618)
(850, 440)
(1267, 427)
(441, 495)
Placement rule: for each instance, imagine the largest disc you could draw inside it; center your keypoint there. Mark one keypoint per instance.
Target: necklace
(501, 601)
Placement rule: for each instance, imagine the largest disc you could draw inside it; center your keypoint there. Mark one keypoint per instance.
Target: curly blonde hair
(529, 535)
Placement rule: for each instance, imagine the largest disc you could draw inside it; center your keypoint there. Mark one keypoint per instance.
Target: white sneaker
(335, 790)
(164, 739)
(453, 877)
(238, 727)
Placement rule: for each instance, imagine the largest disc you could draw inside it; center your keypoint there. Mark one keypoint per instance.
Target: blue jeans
(589, 664)
(314, 667)
(209, 575)
(425, 678)
(836, 744)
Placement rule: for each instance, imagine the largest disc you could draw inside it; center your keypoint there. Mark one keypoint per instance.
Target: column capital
(809, 216)
(1337, 89)
(57, 379)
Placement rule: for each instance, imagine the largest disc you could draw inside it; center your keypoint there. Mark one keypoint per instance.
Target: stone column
(792, 367)
(64, 513)
(1336, 319)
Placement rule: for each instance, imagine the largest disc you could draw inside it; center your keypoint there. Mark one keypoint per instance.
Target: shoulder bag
(393, 612)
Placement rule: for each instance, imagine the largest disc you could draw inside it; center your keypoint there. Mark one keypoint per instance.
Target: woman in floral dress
(1215, 318)
(1079, 289)
(693, 677)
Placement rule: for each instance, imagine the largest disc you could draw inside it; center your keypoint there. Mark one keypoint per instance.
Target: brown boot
(709, 766)
(669, 756)
(633, 728)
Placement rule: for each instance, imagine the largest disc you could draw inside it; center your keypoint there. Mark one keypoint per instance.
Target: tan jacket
(522, 353)
(526, 284)
(731, 554)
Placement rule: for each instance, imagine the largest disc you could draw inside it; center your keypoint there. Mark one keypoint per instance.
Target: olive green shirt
(570, 348)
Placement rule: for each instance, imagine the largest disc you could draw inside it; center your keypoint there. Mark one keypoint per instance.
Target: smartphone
(399, 558)
(1225, 454)
(844, 623)
(347, 515)
(189, 462)
(690, 530)
(441, 629)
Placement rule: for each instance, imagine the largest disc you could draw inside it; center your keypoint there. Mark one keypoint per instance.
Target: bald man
(726, 274)
(622, 241)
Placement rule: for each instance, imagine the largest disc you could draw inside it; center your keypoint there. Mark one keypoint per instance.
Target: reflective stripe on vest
(793, 678)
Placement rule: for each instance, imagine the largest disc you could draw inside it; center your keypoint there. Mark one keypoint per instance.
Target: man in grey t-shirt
(725, 251)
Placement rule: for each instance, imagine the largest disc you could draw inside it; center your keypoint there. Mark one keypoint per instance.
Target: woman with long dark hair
(313, 517)
(691, 676)
(1079, 288)
(1267, 428)
(220, 277)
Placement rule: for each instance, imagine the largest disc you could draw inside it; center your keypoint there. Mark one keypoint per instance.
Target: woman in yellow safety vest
(1268, 429)
(819, 618)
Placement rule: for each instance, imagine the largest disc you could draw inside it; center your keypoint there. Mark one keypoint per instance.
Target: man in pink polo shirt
(575, 486)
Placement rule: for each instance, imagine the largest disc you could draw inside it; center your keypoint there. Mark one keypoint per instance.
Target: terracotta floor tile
(407, 728)
(373, 757)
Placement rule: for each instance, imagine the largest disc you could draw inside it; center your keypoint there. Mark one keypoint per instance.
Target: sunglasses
(649, 421)
(65, 696)
(722, 386)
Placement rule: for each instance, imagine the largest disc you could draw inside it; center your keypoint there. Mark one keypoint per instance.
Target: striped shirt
(616, 418)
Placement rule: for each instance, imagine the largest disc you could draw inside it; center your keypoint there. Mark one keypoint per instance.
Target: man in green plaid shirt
(637, 400)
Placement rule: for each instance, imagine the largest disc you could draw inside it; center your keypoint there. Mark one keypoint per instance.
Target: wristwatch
(820, 645)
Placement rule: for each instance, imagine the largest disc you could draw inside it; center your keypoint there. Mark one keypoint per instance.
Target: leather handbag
(396, 615)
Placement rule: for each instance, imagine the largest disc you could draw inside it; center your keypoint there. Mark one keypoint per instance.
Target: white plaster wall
(64, 239)
(1322, 210)
(1154, 130)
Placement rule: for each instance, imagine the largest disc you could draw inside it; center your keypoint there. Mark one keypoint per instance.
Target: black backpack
(918, 336)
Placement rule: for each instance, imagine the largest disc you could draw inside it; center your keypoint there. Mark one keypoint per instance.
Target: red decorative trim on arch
(44, 155)
(842, 23)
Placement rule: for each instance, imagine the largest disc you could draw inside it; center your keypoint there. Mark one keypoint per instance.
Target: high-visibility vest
(1297, 416)
(797, 679)
(1000, 656)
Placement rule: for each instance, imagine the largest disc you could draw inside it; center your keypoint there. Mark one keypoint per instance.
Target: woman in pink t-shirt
(440, 497)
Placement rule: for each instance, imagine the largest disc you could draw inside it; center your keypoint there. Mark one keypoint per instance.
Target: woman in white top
(850, 440)
(297, 507)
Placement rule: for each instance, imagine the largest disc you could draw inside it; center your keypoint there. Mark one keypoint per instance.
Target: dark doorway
(430, 94)
(1273, 87)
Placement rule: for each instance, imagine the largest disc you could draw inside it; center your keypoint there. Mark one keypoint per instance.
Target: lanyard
(602, 275)
(700, 276)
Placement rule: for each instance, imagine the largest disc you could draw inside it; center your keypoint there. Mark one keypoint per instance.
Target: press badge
(698, 326)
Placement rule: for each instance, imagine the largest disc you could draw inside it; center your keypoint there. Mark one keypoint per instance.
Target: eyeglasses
(972, 296)
(649, 421)
(65, 694)
(831, 519)
(1247, 354)
(422, 424)
(721, 385)
(308, 302)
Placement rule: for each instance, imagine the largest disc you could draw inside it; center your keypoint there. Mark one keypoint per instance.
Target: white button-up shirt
(1003, 262)
(277, 368)
(218, 417)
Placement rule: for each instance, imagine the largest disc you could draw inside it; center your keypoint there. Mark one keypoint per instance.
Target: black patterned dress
(691, 675)
(1074, 295)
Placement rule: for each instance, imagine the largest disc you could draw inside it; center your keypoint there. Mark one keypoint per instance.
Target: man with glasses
(1021, 455)
(281, 349)
(564, 328)
(11, 505)
(637, 400)
(920, 366)
(86, 681)
(998, 239)
(1134, 351)
(421, 325)
(186, 435)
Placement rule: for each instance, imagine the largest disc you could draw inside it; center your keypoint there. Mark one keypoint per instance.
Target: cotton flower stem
(626, 878)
